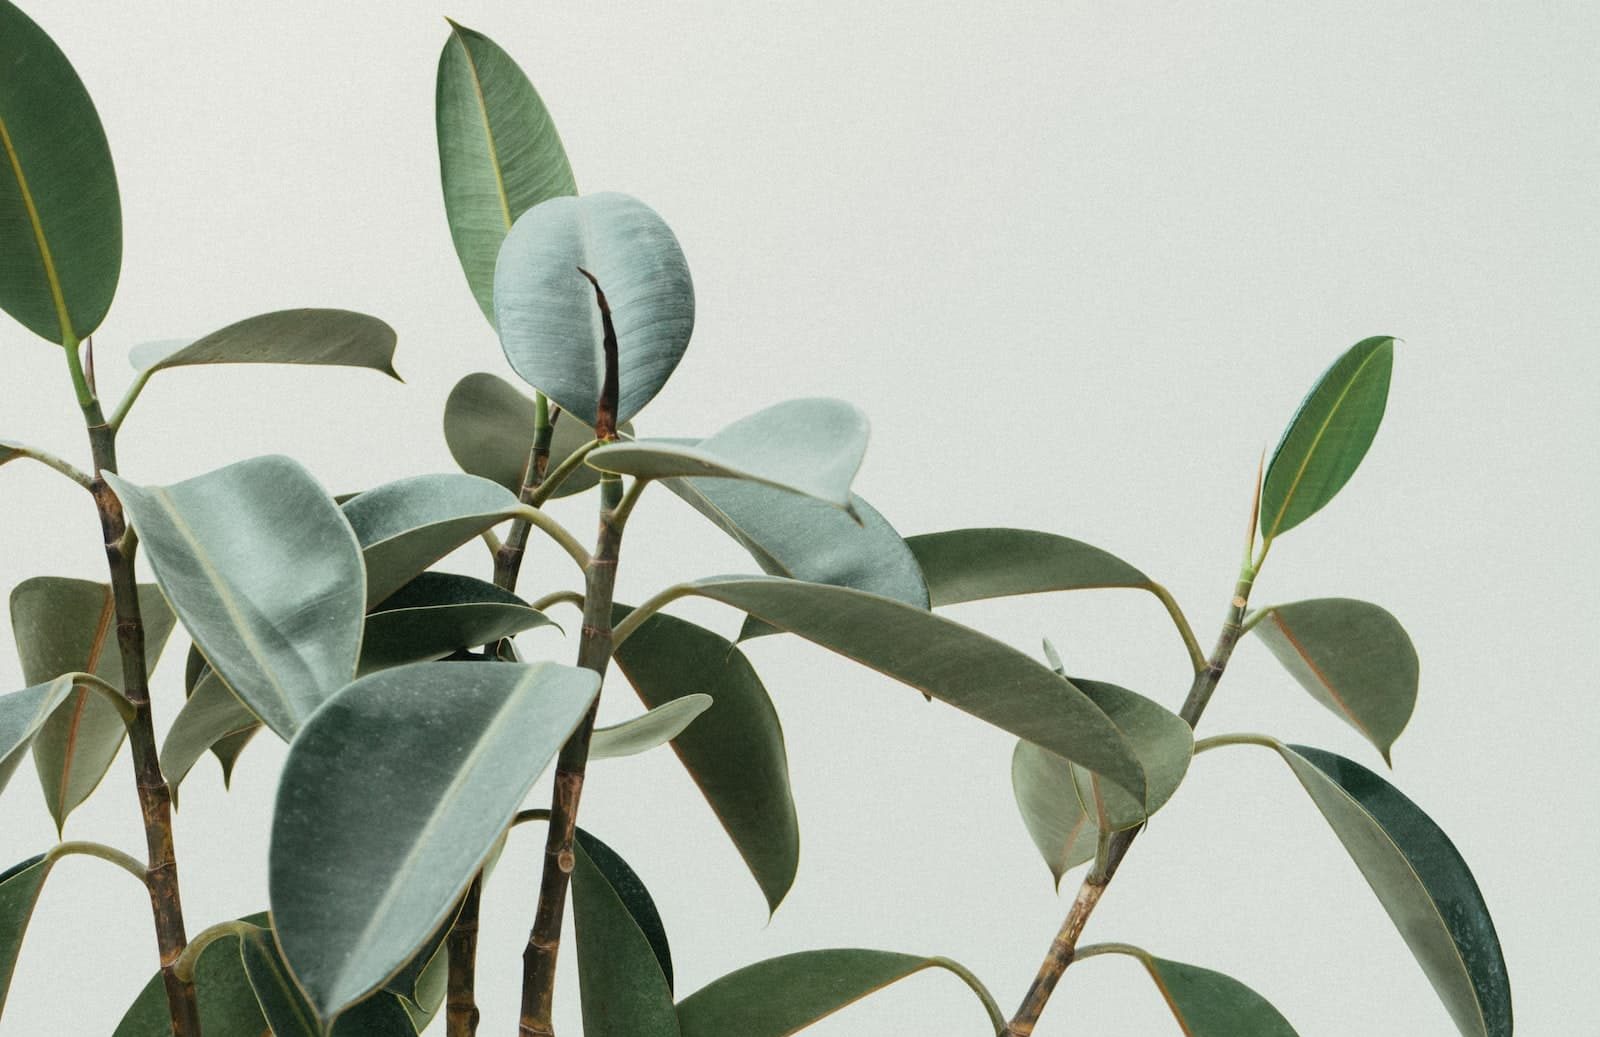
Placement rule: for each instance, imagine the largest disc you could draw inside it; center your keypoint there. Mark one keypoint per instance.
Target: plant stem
(508, 560)
(48, 459)
(155, 801)
(106, 853)
(1063, 948)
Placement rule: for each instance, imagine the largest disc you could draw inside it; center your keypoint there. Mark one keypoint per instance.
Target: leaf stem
(531, 516)
(558, 598)
(190, 958)
(48, 459)
(562, 471)
(1197, 655)
(996, 1017)
(651, 605)
(85, 848)
(121, 413)
(1096, 949)
(1238, 738)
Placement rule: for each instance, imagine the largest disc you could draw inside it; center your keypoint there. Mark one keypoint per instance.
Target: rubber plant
(415, 728)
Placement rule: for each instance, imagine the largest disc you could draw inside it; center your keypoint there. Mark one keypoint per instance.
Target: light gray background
(1079, 262)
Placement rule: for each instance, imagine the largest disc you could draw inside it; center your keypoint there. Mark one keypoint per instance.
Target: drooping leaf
(23, 715)
(19, 892)
(64, 625)
(390, 800)
(624, 975)
(734, 751)
(227, 748)
(409, 983)
(1052, 794)
(337, 338)
(781, 996)
(546, 311)
(60, 215)
(1209, 1004)
(1353, 657)
(489, 424)
(265, 574)
(212, 714)
(973, 564)
(436, 614)
(499, 153)
(407, 525)
(956, 664)
(648, 730)
(1328, 436)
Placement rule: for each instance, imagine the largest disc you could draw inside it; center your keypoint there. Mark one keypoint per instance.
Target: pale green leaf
(648, 730)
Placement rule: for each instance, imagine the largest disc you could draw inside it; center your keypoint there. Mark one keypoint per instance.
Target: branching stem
(50, 460)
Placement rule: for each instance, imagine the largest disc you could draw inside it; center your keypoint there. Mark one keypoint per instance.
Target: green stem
(190, 958)
(1094, 949)
(1240, 738)
(530, 516)
(108, 691)
(115, 856)
(49, 460)
(653, 604)
(553, 482)
(1197, 655)
(128, 398)
(558, 598)
(996, 1017)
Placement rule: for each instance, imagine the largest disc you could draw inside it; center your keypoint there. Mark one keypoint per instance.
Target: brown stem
(1064, 946)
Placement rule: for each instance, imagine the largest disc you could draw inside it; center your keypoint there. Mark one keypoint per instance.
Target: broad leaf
(956, 664)
(438, 613)
(1062, 804)
(1210, 1004)
(407, 525)
(546, 311)
(266, 576)
(211, 715)
(648, 730)
(973, 564)
(19, 892)
(1328, 436)
(624, 967)
(228, 1006)
(391, 799)
(23, 714)
(1353, 657)
(488, 425)
(289, 1015)
(781, 996)
(64, 625)
(60, 216)
(811, 447)
(499, 153)
(338, 338)
(734, 751)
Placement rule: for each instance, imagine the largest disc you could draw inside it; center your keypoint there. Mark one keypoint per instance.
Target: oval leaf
(1353, 657)
(266, 576)
(1210, 1004)
(643, 733)
(973, 564)
(489, 424)
(1328, 437)
(439, 613)
(547, 314)
(336, 338)
(781, 996)
(624, 967)
(392, 797)
(60, 216)
(499, 153)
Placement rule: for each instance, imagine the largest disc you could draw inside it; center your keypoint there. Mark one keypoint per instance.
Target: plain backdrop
(1079, 262)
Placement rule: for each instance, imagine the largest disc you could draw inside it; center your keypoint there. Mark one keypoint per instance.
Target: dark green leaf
(60, 216)
(499, 153)
(228, 1006)
(622, 983)
(973, 564)
(1210, 1004)
(339, 338)
(1328, 437)
(547, 314)
(646, 731)
(19, 892)
(438, 613)
(630, 890)
(286, 1010)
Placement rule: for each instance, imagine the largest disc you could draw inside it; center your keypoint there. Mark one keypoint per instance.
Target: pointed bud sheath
(605, 408)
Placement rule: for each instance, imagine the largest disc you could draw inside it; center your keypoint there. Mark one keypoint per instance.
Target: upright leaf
(499, 153)
(973, 564)
(20, 885)
(489, 425)
(391, 798)
(1328, 437)
(64, 625)
(337, 338)
(60, 216)
(1353, 657)
(624, 968)
(1210, 1004)
(549, 323)
(265, 574)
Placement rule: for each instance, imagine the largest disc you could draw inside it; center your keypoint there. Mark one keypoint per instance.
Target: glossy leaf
(390, 800)
(624, 967)
(973, 564)
(1353, 657)
(228, 1006)
(266, 576)
(781, 996)
(286, 1010)
(437, 614)
(1062, 804)
(546, 310)
(20, 885)
(212, 714)
(811, 447)
(338, 338)
(61, 626)
(499, 152)
(734, 751)
(644, 732)
(488, 425)
(1330, 434)
(60, 215)
(23, 714)
(1209, 1004)
(407, 525)
(956, 664)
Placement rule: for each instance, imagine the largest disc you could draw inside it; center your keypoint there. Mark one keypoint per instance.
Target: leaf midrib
(69, 338)
(488, 128)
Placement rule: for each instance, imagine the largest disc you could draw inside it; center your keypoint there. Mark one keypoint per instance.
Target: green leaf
(956, 664)
(266, 576)
(407, 525)
(1210, 1004)
(624, 974)
(734, 751)
(488, 425)
(648, 730)
(228, 1006)
(64, 626)
(211, 715)
(19, 892)
(974, 564)
(547, 314)
(1353, 657)
(60, 216)
(1328, 437)
(811, 447)
(229, 746)
(1422, 882)
(781, 996)
(289, 1015)
(1061, 803)
(338, 338)
(391, 798)
(23, 714)
(437, 614)
(499, 153)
